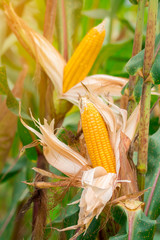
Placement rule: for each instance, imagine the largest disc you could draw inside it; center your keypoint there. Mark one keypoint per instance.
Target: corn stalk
(137, 45)
(146, 94)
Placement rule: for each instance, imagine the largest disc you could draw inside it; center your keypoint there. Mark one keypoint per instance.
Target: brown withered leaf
(127, 172)
(53, 184)
(132, 196)
(8, 121)
(47, 174)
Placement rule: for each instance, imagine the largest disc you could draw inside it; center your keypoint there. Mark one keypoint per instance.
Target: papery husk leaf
(98, 189)
(58, 154)
(38, 47)
(103, 85)
(132, 123)
(74, 227)
(134, 196)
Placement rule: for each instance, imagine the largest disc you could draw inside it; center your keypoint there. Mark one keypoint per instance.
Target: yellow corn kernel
(83, 58)
(97, 138)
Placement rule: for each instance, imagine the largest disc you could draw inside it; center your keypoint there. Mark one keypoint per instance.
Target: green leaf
(8, 171)
(155, 70)
(134, 1)
(12, 102)
(70, 217)
(92, 231)
(27, 139)
(154, 120)
(120, 216)
(126, 23)
(19, 193)
(135, 64)
(140, 226)
(138, 89)
(154, 125)
(96, 13)
(111, 55)
(126, 87)
(69, 209)
(153, 168)
(70, 221)
(116, 5)
(15, 146)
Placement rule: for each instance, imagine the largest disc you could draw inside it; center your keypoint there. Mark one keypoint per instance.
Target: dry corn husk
(37, 46)
(99, 84)
(57, 153)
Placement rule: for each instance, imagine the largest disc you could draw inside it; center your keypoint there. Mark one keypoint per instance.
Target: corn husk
(58, 154)
(101, 84)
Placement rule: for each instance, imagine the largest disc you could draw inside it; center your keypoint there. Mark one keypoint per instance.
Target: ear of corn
(83, 58)
(97, 138)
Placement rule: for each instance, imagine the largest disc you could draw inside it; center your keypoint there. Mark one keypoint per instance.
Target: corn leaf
(96, 13)
(8, 121)
(9, 172)
(134, 224)
(27, 139)
(153, 169)
(111, 55)
(115, 6)
(11, 101)
(19, 193)
(135, 64)
(134, 1)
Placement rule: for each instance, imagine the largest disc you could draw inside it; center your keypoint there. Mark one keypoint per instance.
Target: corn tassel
(97, 138)
(83, 58)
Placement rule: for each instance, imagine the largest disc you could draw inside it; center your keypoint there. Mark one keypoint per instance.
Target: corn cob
(97, 138)
(83, 58)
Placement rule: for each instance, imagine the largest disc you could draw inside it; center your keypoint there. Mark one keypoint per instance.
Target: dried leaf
(47, 174)
(126, 171)
(48, 57)
(101, 84)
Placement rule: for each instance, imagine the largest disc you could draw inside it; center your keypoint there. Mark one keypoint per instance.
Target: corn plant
(79, 119)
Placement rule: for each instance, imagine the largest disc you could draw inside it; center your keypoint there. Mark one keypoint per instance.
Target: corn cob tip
(101, 27)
